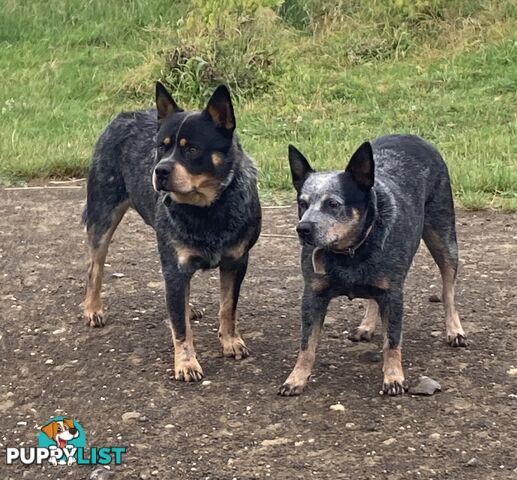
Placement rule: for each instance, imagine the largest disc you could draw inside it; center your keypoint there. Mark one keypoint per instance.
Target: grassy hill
(324, 75)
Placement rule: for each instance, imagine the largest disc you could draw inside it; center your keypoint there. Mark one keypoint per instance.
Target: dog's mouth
(62, 443)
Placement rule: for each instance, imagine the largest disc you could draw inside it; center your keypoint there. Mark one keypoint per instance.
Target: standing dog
(188, 177)
(360, 230)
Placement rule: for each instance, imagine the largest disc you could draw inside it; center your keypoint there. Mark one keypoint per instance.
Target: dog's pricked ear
(165, 104)
(300, 168)
(361, 166)
(220, 109)
(50, 430)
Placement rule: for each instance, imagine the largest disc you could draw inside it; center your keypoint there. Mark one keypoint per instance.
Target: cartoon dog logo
(61, 432)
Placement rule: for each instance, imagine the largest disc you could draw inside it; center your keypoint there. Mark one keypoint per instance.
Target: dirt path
(236, 426)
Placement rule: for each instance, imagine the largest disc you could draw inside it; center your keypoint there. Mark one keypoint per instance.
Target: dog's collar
(318, 254)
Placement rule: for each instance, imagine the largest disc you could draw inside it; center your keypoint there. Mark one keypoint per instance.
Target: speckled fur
(121, 174)
(411, 199)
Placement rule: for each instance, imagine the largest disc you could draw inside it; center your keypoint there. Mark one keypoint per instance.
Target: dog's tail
(84, 216)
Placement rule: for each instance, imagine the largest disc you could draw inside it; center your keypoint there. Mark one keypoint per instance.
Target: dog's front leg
(391, 310)
(177, 291)
(314, 308)
(231, 274)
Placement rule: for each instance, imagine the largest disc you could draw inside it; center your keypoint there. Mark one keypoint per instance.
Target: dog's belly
(359, 291)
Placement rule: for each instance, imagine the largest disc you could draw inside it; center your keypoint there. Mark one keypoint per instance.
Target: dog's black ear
(300, 168)
(220, 109)
(361, 166)
(165, 104)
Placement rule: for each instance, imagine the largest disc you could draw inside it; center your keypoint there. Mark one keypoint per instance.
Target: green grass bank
(324, 75)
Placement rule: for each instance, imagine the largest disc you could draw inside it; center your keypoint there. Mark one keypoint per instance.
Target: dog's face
(61, 431)
(332, 207)
(192, 161)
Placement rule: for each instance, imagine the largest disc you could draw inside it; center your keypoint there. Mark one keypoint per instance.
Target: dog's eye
(303, 204)
(191, 151)
(58, 429)
(331, 203)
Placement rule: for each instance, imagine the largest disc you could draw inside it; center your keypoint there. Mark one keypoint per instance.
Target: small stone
(118, 275)
(435, 299)
(436, 333)
(101, 474)
(299, 444)
(434, 436)
(370, 357)
(473, 461)
(206, 382)
(275, 441)
(425, 386)
(143, 476)
(154, 472)
(389, 441)
(49, 362)
(337, 407)
(169, 426)
(512, 372)
(128, 416)
(349, 425)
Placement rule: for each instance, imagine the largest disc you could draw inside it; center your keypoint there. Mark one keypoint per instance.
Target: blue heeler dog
(360, 229)
(188, 177)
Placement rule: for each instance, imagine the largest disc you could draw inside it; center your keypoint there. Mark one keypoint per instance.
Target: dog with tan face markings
(359, 230)
(188, 177)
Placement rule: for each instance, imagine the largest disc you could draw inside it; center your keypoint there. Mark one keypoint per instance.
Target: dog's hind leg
(365, 331)
(106, 205)
(99, 238)
(440, 237)
(232, 274)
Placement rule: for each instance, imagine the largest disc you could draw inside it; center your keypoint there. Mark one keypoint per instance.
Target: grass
(324, 75)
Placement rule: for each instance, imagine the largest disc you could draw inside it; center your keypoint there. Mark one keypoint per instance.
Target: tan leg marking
(365, 331)
(455, 333)
(93, 304)
(186, 366)
(299, 377)
(232, 343)
(393, 372)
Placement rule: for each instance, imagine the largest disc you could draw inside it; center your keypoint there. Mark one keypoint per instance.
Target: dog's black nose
(304, 230)
(162, 170)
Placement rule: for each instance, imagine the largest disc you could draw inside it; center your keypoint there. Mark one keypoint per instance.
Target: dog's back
(412, 169)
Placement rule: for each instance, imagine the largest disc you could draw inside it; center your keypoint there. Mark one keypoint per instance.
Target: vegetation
(322, 74)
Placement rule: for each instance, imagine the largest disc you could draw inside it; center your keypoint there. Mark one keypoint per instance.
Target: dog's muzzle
(162, 173)
(305, 231)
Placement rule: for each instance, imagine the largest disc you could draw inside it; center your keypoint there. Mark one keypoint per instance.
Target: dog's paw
(394, 387)
(234, 346)
(289, 389)
(457, 340)
(188, 370)
(95, 319)
(195, 313)
(361, 335)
